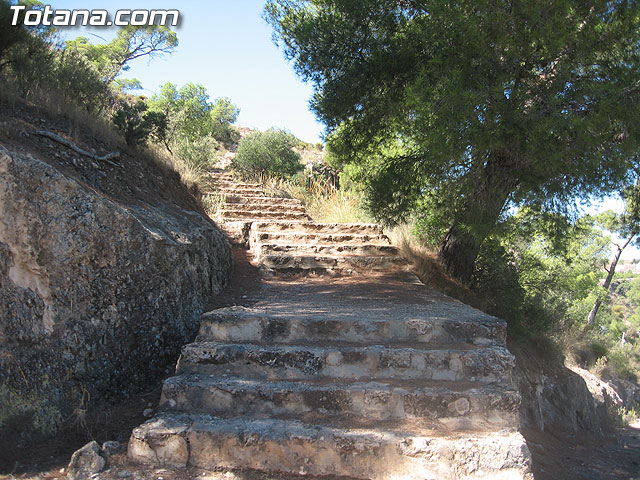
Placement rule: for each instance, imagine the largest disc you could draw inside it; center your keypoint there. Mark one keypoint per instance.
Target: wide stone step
(414, 406)
(176, 441)
(319, 238)
(311, 227)
(262, 200)
(238, 214)
(287, 263)
(222, 177)
(230, 197)
(337, 250)
(240, 191)
(240, 325)
(260, 208)
(224, 183)
(447, 362)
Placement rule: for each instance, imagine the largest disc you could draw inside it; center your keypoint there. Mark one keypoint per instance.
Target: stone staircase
(379, 378)
(284, 241)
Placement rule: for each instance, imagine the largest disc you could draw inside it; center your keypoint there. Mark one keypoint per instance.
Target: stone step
(224, 183)
(240, 325)
(239, 214)
(286, 362)
(414, 406)
(336, 250)
(178, 440)
(237, 230)
(231, 196)
(224, 177)
(319, 238)
(239, 191)
(293, 264)
(261, 200)
(260, 208)
(311, 227)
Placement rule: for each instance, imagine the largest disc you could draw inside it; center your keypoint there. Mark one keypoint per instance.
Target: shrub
(136, 123)
(267, 153)
(198, 154)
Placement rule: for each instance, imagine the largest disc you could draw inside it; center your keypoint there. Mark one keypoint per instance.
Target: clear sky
(225, 46)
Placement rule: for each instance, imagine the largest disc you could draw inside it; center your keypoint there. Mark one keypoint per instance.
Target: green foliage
(9, 34)
(268, 153)
(480, 105)
(136, 123)
(131, 42)
(224, 114)
(536, 281)
(126, 85)
(199, 153)
(194, 124)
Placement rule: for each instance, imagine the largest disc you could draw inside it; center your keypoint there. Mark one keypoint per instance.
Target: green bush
(199, 154)
(136, 123)
(269, 153)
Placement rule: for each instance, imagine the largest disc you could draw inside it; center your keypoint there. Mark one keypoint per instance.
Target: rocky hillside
(105, 269)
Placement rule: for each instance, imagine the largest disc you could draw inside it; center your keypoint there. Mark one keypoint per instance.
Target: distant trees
(461, 110)
(194, 125)
(627, 226)
(269, 152)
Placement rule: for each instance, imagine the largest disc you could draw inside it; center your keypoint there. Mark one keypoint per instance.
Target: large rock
(85, 462)
(96, 295)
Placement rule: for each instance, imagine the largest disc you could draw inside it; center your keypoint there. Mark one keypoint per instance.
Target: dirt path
(584, 456)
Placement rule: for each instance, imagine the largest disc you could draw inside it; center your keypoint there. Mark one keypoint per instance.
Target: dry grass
(190, 175)
(79, 119)
(323, 202)
(428, 268)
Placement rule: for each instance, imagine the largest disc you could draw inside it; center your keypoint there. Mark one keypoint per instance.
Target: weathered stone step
(174, 440)
(237, 230)
(240, 191)
(414, 406)
(222, 177)
(261, 208)
(311, 227)
(287, 263)
(449, 362)
(224, 183)
(231, 196)
(262, 200)
(239, 214)
(240, 324)
(320, 238)
(337, 250)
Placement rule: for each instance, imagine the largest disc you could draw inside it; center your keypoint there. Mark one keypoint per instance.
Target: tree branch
(63, 141)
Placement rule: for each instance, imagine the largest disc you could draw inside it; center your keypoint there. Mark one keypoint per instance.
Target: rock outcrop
(97, 295)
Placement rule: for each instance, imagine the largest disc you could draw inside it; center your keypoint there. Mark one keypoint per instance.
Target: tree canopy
(131, 42)
(464, 108)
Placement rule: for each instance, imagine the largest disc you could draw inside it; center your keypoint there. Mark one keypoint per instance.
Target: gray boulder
(85, 462)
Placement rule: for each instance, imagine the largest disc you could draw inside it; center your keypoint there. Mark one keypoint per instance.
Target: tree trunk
(481, 209)
(607, 283)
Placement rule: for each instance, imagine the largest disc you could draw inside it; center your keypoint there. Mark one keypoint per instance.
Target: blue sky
(225, 46)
